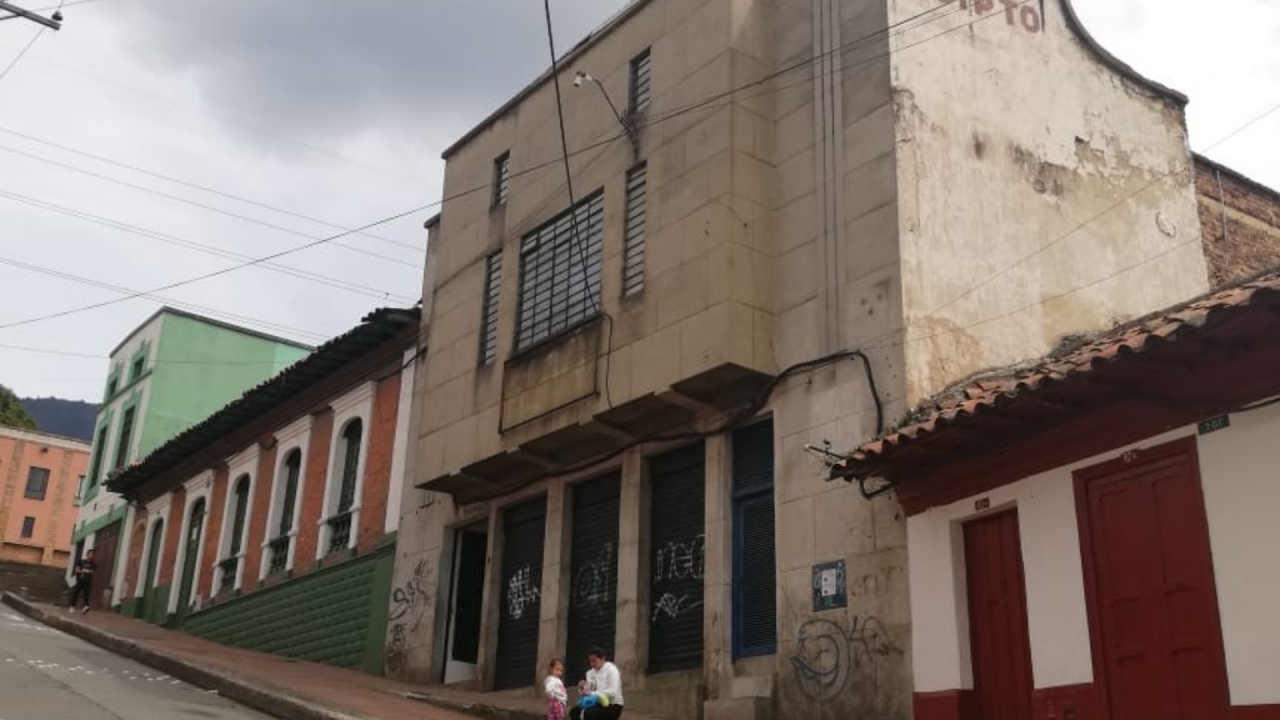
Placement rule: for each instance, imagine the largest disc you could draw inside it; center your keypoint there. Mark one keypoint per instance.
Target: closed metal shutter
(520, 600)
(755, 599)
(678, 531)
(593, 572)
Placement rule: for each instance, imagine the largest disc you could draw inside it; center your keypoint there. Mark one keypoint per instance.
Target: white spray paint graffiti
(680, 561)
(591, 584)
(670, 607)
(521, 593)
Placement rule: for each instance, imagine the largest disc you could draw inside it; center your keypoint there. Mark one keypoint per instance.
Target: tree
(12, 413)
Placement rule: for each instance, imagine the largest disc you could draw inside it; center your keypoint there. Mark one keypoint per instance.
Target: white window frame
(357, 404)
(197, 488)
(157, 510)
(295, 436)
(240, 465)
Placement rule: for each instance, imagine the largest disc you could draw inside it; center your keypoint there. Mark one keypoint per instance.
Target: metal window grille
(37, 483)
(489, 313)
(640, 82)
(339, 532)
(560, 273)
(227, 577)
(634, 238)
(279, 549)
(28, 527)
(755, 572)
(501, 178)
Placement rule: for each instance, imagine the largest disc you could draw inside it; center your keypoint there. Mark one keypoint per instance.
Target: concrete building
(812, 215)
(1092, 536)
(270, 524)
(40, 480)
(168, 374)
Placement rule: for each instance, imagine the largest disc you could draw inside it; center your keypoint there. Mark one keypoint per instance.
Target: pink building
(40, 478)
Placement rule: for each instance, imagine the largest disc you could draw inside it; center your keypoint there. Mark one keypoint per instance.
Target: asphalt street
(48, 675)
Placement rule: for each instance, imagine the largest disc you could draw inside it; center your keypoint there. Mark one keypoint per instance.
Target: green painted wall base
(337, 615)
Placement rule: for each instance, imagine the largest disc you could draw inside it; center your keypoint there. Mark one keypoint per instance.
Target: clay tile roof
(961, 403)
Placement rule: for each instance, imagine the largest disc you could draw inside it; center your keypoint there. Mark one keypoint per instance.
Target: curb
(487, 712)
(263, 698)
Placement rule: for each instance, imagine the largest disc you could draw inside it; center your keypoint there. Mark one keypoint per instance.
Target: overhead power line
(168, 239)
(192, 185)
(207, 276)
(202, 309)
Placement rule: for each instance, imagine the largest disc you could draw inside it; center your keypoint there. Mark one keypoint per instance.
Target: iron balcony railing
(279, 552)
(339, 532)
(227, 578)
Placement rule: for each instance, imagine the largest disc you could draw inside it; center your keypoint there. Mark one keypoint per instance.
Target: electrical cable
(198, 186)
(16, 58)
(573, 206)
(217, 273)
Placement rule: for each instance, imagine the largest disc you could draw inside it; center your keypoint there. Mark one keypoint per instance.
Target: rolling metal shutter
(520, 601)
(678, 532)
(593, 572)
(755, 599)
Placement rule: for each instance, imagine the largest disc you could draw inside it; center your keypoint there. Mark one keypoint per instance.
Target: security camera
(57, 16)
(577, 82)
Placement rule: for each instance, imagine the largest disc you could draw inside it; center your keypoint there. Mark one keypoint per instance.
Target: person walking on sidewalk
(601, 691)
(83, 572)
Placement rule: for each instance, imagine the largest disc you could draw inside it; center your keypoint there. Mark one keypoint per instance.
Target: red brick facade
(1239, 223)
(377, 473)
(312, 495)
(364, 384)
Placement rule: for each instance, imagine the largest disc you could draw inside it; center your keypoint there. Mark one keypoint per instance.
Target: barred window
(37, 483)
(633, 243)
(489, 310)
(560, 272)
(501, 178)
(640, 82)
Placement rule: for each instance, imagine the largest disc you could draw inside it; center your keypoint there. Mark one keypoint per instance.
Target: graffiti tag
(681, 560)
(827, 654)
(591, 584)
(521, 593)
(670, 607)
(408, 608)
(1017, 13)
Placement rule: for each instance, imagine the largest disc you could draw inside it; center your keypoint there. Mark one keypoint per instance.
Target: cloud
(351, 68)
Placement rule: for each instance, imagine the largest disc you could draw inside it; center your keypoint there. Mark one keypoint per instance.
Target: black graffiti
(409, 596)
(827, 654)
(408, 608)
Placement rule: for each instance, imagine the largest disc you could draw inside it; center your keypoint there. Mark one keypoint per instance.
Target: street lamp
(625, 120)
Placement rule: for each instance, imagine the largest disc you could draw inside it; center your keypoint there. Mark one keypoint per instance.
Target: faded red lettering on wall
(1017, 13)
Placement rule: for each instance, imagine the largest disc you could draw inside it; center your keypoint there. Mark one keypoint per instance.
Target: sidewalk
(282, 687)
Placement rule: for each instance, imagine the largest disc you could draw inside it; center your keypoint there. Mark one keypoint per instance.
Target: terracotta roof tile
(972, 397)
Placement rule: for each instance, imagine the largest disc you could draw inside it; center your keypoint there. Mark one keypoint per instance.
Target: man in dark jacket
(83, 574)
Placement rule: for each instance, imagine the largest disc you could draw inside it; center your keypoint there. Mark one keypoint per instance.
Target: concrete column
(631, 646)
(491, 605)
(717, 583)
(554, 616)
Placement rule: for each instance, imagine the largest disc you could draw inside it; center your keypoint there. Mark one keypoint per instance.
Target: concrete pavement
(48, 675)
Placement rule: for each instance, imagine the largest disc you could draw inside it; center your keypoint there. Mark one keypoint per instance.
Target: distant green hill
(12, 413)
(69, 418)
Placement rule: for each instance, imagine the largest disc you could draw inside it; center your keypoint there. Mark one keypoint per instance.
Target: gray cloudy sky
(338, 111)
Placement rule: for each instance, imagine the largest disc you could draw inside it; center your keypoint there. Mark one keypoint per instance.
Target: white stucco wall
(1041, 192)
(1238, 476)
(1241, 469)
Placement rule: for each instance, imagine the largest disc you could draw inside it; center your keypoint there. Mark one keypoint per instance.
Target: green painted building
(171, 372)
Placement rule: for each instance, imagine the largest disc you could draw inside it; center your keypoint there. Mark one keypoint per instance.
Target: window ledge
(543, 346)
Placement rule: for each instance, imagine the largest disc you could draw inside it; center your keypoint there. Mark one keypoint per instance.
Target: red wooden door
(1155, 606)
(998, 636)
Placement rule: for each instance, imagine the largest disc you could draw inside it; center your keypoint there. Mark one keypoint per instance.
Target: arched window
(350, 464)
(342, 494)
(286, 500)
(229, 567)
